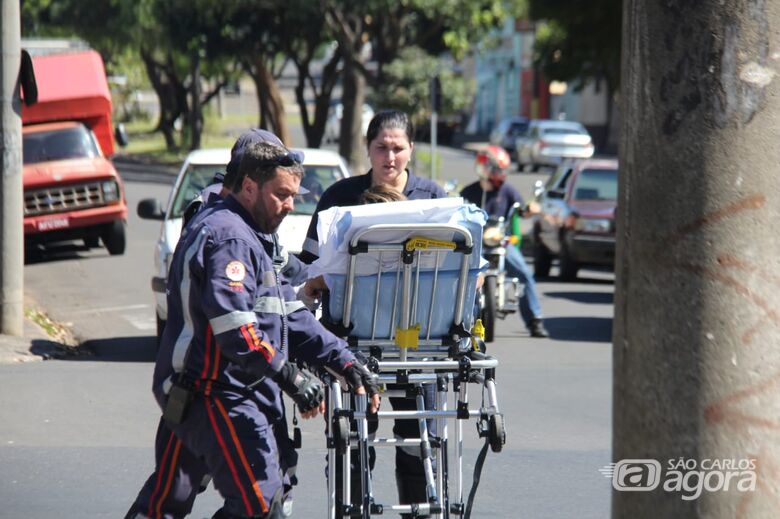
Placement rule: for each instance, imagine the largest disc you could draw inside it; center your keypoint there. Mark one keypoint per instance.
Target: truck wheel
(114, 237)
(489, 309)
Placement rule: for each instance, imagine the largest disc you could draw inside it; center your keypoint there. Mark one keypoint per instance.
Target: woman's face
(389, 154)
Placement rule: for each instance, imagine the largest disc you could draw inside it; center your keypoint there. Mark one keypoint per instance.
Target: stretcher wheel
(496, 432)
(341, 434)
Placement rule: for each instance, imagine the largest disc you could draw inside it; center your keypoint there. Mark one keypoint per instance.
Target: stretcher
(404, 302)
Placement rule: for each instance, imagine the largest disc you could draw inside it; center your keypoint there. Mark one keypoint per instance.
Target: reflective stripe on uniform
(232, 321)
(292, 306)
(185, 336)
(273, 305)
(312, 246)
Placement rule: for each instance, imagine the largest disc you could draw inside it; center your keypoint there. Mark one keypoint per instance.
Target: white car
(322, 167)
(333, 124)
(549, 142)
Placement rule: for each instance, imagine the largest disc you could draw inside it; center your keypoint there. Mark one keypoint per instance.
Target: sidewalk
(34, 345)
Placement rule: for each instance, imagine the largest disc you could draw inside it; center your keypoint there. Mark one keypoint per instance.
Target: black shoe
(536, 327)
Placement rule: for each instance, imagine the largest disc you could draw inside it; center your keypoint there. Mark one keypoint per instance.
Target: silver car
(548, 142)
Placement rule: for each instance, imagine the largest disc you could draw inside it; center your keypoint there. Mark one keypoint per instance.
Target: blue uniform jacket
(498, 202)
(347, 192)
(232, 319)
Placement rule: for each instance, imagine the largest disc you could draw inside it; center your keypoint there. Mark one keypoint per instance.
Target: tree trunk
(269, 99)
(196, 110)
(351, 139)
(697, 291)
(314, 128)
(166, 100)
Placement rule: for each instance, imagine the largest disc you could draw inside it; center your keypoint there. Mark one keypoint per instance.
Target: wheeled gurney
(405, 303)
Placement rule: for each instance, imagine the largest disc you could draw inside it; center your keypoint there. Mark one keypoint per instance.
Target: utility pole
(11, 235)
(697, 303)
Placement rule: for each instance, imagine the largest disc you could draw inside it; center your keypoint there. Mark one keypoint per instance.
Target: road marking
(111, 309)
(143, 322)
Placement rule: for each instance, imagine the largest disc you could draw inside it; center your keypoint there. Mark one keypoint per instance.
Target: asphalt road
(76, 436)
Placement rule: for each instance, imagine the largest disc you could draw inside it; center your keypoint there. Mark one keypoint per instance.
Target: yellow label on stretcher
(409, 338)
(478, 332)
(421, 243)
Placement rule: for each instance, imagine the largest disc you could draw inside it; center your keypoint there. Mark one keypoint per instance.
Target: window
(596, 184)
(67, 143)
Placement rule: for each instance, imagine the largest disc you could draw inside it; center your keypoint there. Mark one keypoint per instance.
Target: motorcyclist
(493, 194)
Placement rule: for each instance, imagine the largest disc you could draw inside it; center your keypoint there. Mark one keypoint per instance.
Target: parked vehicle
(500, 295)
(322, 168)
(506, 133)
(333, 124)
(548, 142)
(71, 189)
(576, 219)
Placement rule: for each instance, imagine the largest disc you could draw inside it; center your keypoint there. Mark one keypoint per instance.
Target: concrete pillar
(11, 209)
(697, 307)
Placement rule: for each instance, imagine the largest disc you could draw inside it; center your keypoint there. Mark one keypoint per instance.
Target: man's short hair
(260, 162)
(242, 143)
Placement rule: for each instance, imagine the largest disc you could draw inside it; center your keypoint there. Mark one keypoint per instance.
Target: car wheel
(568, 267)
(542, 259)
(534, 168)
(113, 237)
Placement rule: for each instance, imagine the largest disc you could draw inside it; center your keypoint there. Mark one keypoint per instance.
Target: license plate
(53, 223)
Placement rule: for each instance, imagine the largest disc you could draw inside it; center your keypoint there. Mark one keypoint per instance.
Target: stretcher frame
(452, 362)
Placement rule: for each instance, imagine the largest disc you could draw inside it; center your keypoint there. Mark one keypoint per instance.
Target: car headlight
(599, 225)
(110, 191)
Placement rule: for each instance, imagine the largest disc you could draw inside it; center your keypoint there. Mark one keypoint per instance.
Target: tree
(390, 26)
(578, 43)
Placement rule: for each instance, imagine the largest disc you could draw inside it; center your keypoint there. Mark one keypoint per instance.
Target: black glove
(305, 390)
(357, 375)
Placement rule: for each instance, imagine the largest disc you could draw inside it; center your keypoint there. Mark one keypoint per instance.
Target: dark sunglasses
(286, 161)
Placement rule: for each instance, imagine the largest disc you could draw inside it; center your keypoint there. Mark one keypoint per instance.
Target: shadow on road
(120, 349)
(595, 298)
(58, 252)
(579, 329)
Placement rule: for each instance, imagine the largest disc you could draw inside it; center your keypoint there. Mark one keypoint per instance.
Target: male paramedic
(234, 329)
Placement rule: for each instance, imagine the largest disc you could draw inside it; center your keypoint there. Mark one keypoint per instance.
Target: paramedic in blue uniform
(292, 268)
(390, 143)
(229, 349)
(493, 194)
(179, 483)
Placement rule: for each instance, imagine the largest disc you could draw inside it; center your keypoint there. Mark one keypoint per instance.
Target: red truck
(71, 189)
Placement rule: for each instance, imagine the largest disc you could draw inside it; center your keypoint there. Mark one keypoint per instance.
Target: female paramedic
(390, 143)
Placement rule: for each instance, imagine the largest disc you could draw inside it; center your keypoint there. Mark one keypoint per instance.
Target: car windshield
(596, 184)
(66, 143)
(317, 179)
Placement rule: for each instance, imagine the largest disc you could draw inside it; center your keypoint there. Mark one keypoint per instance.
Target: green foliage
(405, 86)
(579, 41)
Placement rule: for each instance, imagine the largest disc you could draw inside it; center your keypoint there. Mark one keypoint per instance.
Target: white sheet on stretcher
(337, 226)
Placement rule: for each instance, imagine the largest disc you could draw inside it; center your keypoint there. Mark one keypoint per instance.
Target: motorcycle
(500, 295)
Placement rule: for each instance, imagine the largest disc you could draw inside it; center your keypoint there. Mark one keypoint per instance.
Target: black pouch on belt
(179, 399)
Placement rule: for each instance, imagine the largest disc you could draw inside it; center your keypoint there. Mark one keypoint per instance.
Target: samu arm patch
(235, 271)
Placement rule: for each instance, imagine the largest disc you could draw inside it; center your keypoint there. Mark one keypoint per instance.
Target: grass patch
(57, 332)
(218, 132)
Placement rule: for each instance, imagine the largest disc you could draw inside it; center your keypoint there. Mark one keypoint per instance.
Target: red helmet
(492, 160)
